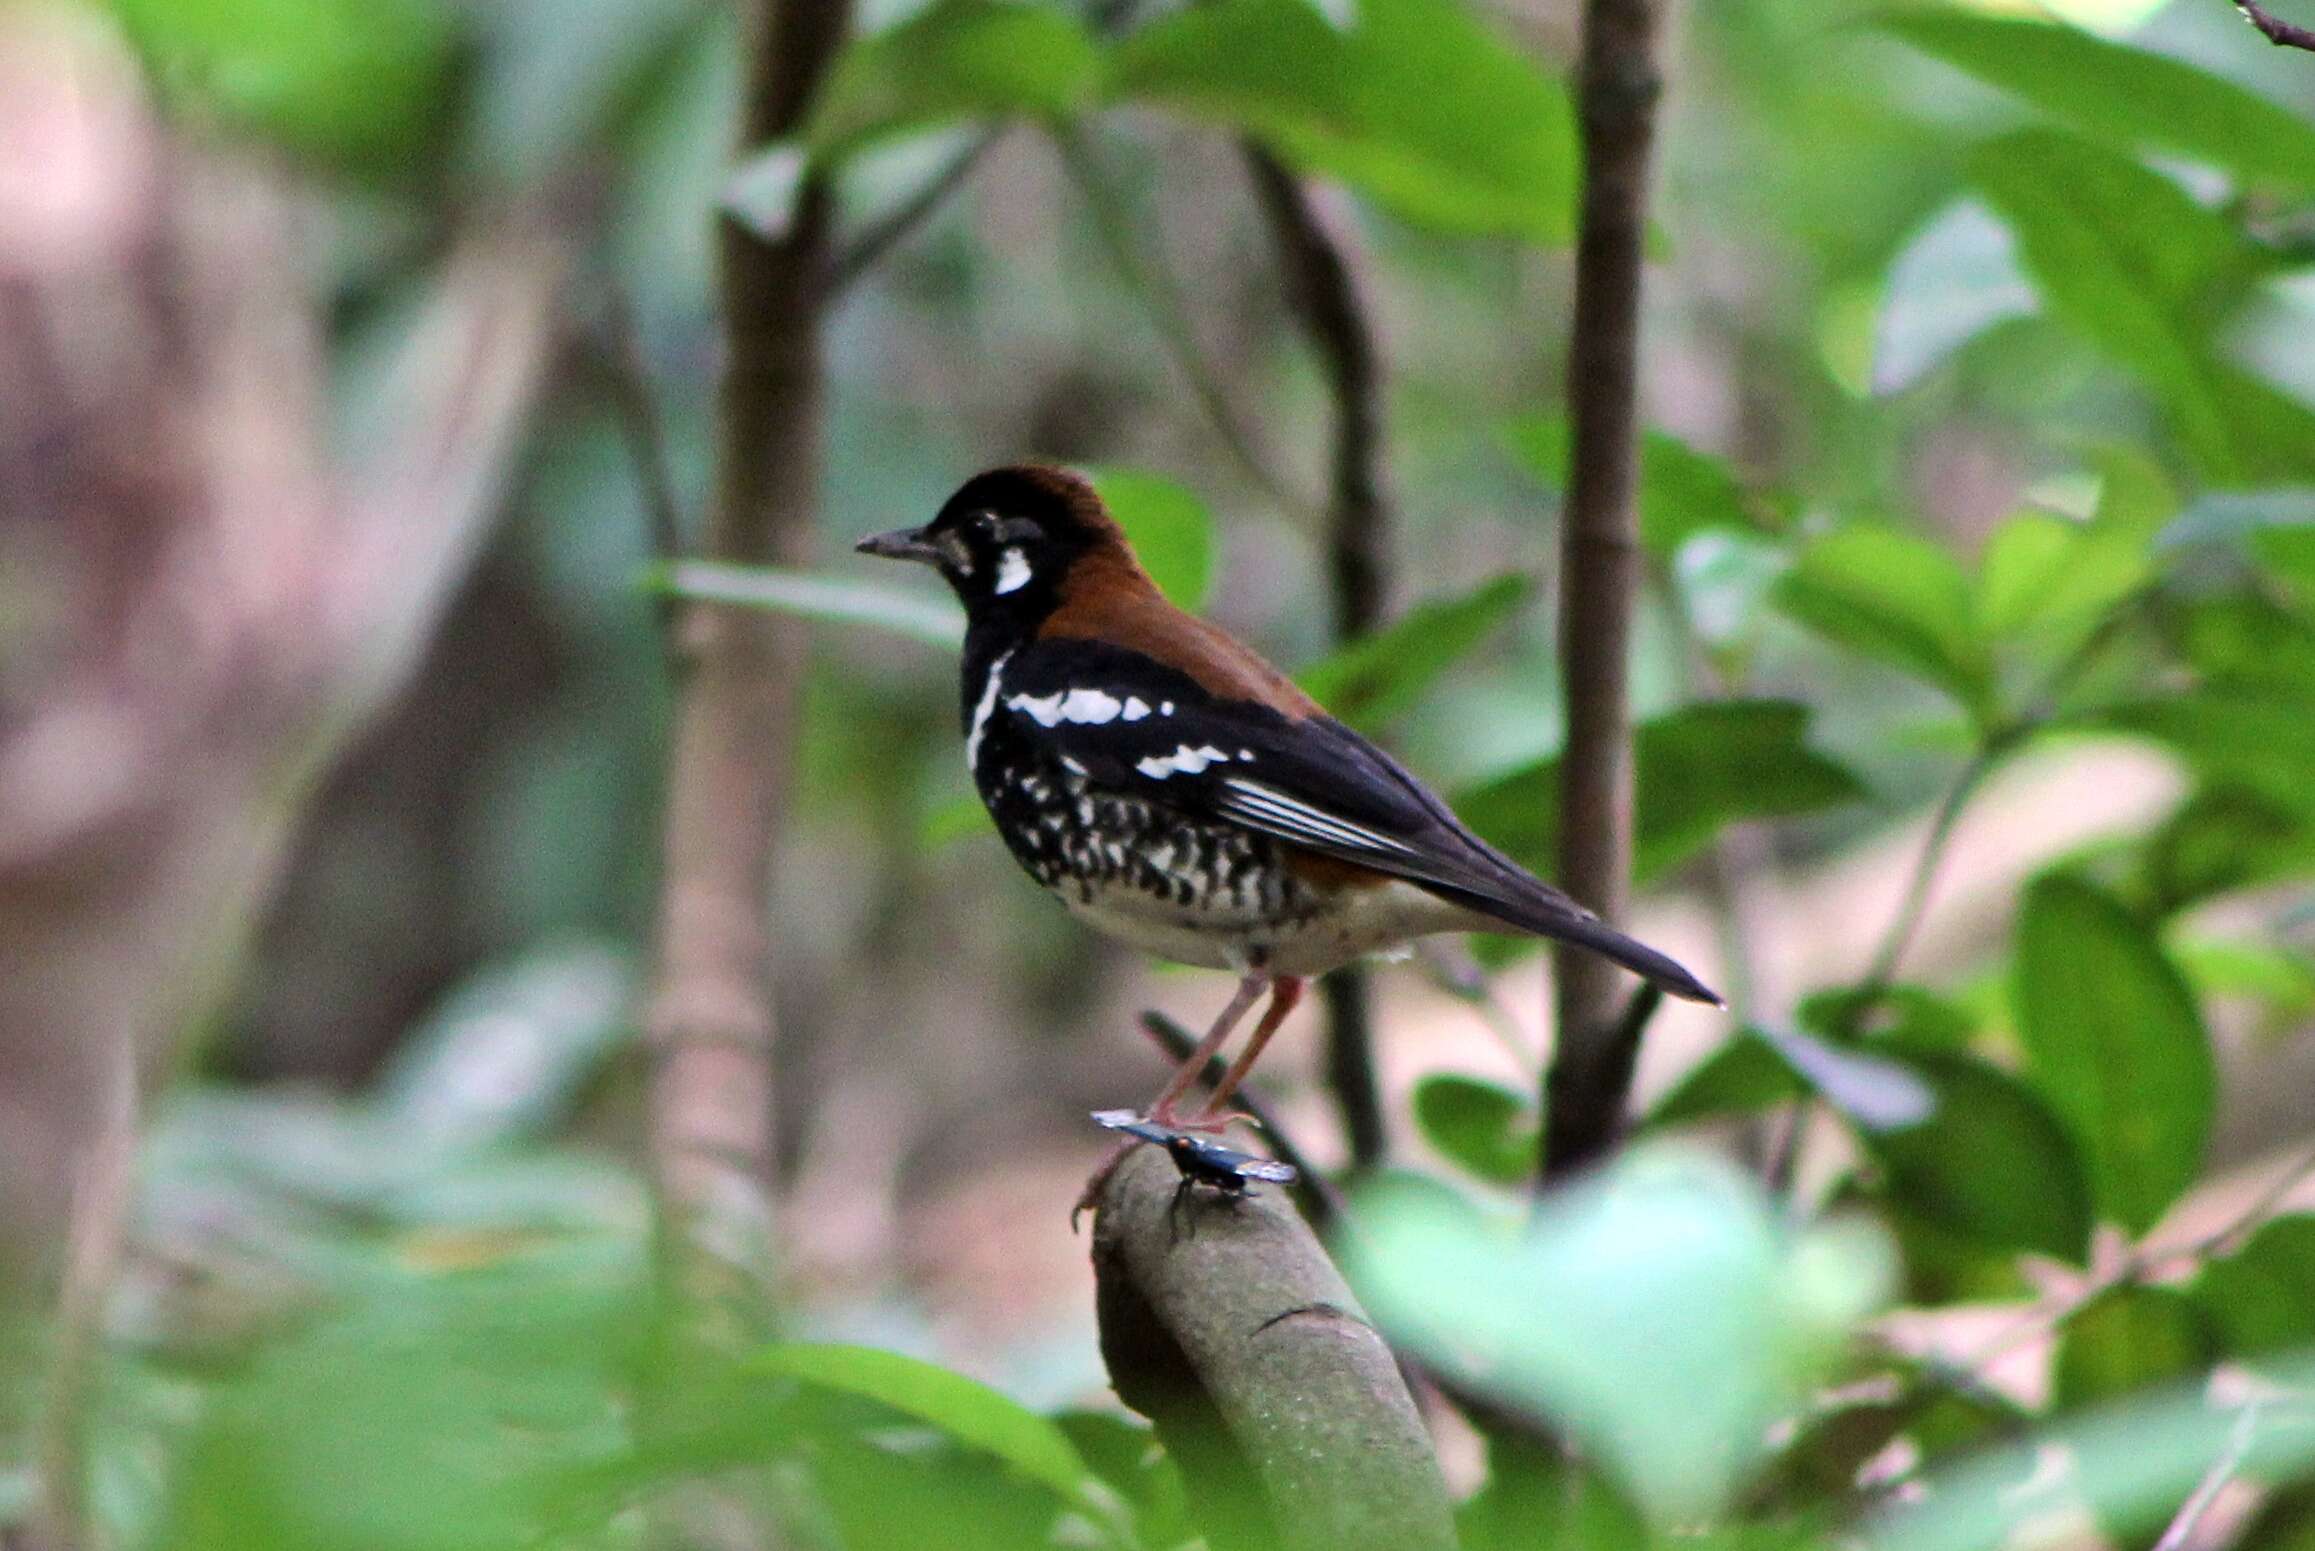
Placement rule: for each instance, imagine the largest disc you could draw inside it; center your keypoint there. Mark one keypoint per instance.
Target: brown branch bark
(1322, 284)
(1588, 1082)
(709, 1016)
(1227, 1326)
(221, 610)
(2279, 32)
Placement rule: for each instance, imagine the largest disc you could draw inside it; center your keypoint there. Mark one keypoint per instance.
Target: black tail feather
(1554, 915)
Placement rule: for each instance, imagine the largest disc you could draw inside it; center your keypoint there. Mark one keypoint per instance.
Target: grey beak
(900, 544)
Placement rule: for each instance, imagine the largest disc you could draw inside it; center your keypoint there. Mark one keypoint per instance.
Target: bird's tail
(1550, 913)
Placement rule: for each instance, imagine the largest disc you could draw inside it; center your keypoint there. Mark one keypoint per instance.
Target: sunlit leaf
(955, 59)
(1170, 529)
(2103, 88)
(965, 1409)
(1697, 770)
(2039, 570)
(1372, 680)
(1482, 1126)
(1621, 1293)
(1418, 104)
(917, 615)
(1895, 598)
(2113, 1037)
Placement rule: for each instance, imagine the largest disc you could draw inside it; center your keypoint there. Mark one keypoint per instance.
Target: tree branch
(1227, 1326)
(709, 1017)
(1600, 558)
(895, 226)
(1322, 286)
(2281, 33)
(1162, 300)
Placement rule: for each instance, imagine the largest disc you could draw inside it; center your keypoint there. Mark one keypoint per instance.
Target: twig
(626, 376)
(1236, 1336)
(896, 225)
(2281, 33)
(1600, 558)
(709, 1017)
(2180, 1531)
(1322, 286)
(2138, 1264)
(1162, 301)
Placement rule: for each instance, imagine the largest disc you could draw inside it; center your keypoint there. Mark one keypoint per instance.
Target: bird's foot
(1098, 1180)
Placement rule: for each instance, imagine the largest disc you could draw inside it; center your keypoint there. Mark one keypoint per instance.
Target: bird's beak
(901, 544)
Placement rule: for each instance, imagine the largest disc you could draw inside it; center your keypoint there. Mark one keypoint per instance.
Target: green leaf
(816, 597)
(1990, 1163)
(1697, 769)
(954, 59)
(2222, 838)
(1375, 679)
(1741, 1075)
(1170, 528)
(1621, 1291)
(2113, 1037)
(2146, 274)
(1761, 1066)
(2261, 1299)
(1683, 492)
(965, 1409)
(355, 81)
(2103, 88)
(2043, 571)
(2129, 1338)
(1481, 1126)
(959, 818)
(1905, 1016)
(1418, 105)
(1897, 599)
(2244, 734)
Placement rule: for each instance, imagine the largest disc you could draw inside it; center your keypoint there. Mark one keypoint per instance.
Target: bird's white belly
(1347, 925)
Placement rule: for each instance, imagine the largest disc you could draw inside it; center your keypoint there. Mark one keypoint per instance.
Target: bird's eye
(1019, 530)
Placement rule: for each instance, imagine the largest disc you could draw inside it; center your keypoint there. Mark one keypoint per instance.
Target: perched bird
(1176, 791)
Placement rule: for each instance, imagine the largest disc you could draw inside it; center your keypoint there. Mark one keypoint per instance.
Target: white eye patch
(1012, 571)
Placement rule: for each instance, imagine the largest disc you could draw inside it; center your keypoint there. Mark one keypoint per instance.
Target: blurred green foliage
(1979, 442)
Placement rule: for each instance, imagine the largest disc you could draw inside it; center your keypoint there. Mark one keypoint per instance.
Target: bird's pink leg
(1250, 989)
(1285, 992)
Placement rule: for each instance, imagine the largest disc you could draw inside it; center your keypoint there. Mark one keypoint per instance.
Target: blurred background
(1912, 296)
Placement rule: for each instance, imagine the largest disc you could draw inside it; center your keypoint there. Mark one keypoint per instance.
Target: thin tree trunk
(709, 1019)
(1590, 1077)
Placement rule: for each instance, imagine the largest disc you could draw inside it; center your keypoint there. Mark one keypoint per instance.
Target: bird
(1179, 793)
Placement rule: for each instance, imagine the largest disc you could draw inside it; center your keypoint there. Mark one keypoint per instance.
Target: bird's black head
(1009, 539)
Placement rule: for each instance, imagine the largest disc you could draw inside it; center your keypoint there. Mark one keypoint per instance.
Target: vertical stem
(709, 1018)
(1322, 285)
(1587, 1083)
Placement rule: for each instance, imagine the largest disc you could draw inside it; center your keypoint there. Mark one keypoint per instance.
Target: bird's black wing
(1137, 727)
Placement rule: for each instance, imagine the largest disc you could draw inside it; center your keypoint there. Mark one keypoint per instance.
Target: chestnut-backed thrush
(1176, 791)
